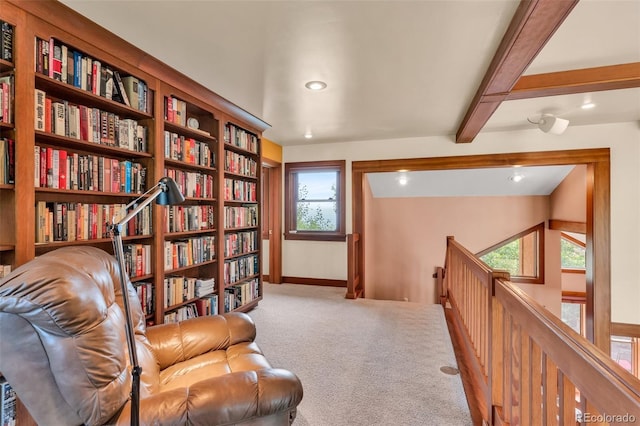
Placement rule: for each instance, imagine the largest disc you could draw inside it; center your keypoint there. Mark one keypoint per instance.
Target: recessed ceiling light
(403, 179)
(308, 135)
(588, 105)
(315, 85)
(516, 177)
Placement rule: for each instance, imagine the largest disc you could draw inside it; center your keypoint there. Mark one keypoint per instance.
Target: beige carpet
(361, 362)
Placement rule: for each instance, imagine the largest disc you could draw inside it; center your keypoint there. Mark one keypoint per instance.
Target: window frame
(290, 218)
(574, 241)
(539, 277)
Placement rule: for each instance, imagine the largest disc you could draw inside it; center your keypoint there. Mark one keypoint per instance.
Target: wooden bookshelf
(205, 117)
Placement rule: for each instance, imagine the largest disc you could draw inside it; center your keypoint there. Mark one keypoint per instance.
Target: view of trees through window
(316, 206)
(572, 254)
(505, 258)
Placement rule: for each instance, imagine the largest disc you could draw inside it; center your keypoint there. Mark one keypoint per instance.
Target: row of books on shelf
(137, 259)
(60, 169)
(147, 297)
(199, 308)
(60, 117)
(66, 221)
(240, 164)
(192, 184)
(6, 42)
(6, 98)
(236, 136)
(241, 268)
(8, 402)
(241, 294)
(240, 190)
(5, 270)
(240, 243)
(189, 150)
(182, 289)
(240, 216)
(175, 110)
(7, 161)
(189, 218)
(189, 252)
(60, 62)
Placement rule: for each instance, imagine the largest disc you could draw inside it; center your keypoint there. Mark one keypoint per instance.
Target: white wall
(328, 259)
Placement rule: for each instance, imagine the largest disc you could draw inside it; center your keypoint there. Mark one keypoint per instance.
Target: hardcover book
(6, 48)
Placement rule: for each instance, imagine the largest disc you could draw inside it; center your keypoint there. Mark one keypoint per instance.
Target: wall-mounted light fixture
(549, 123)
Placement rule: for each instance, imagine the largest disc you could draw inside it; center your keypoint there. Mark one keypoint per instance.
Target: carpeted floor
(361, 362)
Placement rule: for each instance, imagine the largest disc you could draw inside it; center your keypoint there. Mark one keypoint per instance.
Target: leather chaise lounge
(63, 349)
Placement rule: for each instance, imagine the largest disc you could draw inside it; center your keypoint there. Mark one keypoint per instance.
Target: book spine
(39, 110)
(6, 48)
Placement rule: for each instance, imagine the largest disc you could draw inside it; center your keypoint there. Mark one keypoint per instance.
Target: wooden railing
(531, 367)
(354, 283)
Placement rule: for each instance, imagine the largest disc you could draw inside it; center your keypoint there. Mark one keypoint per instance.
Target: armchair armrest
(229, 399)
(173, 343)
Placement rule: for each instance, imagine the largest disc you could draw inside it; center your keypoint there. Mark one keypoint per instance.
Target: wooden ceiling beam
(532, 25)
(612, 77)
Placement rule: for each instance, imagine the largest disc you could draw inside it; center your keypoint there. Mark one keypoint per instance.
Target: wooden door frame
(275, 220)
(598, 214)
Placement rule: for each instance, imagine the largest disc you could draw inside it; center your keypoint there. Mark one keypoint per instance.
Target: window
(572, 253)
(572, 314)
(622, 351)
(314, 203)
(521, 255)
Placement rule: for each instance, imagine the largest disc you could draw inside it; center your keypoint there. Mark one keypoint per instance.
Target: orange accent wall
(569, 200)
(406, 238)
(271, 150)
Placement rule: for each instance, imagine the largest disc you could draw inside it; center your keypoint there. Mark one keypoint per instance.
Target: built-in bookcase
(190, 142)
(7, 146)
(242, 239)
(95, 122)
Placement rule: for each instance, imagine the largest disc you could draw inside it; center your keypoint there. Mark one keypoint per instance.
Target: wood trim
(572, 240)
(532, 25)
(315, 281)
(540, 276)
(573, 271)
(599, 251)
(358, 221)
(625, 329)
(573, 296)
(290, 169)
(275, 218)
(612, 77)
(594, 373)
(266, 199)
(354, 289)
(568, 226)
(539, 158)
(600, 222)
(470, 371)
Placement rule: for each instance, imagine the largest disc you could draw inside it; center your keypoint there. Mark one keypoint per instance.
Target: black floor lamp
(165, 192)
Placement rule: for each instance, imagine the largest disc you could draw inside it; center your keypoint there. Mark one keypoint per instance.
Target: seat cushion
(245, 356)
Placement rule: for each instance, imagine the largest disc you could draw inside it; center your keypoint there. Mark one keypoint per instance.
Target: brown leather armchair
(63, 349)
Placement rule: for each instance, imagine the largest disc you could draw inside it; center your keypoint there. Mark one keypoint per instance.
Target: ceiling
(491, 182)
(394, 68)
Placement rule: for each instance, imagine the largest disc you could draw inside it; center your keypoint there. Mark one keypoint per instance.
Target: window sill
(314, 236)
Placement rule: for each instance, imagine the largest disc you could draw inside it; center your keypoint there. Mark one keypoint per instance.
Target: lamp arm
(116, 233)
(153, 194)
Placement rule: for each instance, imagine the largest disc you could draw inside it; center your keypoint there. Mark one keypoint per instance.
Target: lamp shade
(171, 194)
